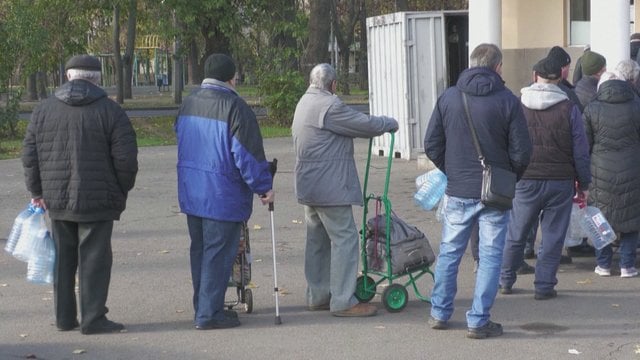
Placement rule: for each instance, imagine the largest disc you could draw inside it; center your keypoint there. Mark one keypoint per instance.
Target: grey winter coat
(612, 124)
(323, 131)
(80, 154)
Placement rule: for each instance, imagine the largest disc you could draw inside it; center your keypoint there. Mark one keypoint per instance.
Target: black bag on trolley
(409, 247)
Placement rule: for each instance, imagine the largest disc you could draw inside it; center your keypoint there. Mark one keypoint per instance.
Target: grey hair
(89, 75)
(629, 69)
(485, 55)
(321, 77)
(608, 75)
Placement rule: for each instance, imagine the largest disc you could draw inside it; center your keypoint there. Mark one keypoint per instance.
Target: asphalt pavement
(592, 317)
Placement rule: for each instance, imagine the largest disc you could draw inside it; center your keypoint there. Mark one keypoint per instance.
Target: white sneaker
(628, 272)
(604, 272)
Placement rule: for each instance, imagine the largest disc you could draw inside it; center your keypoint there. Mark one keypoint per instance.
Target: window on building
(579, 19)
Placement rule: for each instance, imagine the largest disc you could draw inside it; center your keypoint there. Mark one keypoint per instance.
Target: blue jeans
(214, 246)
(553, 198)
(459, 218)
(628, 246)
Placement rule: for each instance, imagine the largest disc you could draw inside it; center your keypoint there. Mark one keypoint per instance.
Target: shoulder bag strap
(474, 136)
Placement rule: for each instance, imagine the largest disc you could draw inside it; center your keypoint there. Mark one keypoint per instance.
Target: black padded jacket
(80, 154)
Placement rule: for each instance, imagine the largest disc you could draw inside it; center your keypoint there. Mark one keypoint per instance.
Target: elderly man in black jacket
(80, 161)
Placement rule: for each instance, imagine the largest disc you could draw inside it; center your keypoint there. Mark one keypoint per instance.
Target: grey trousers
(85, 248)
(331, 256)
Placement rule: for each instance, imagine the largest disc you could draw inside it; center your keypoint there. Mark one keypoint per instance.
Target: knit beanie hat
(83, 62)
(219, 67)
(592, 62)
(559, 55)
(548, 68)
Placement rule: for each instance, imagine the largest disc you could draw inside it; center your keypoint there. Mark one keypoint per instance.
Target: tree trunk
(42, 85)
(117, 57)
(363, 73)
(177, 65)
(129, 52)
(32, 93)
(401, 5)
(319, 29)
(196, 71)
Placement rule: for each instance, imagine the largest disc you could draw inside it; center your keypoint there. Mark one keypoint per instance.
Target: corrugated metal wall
(407, 72)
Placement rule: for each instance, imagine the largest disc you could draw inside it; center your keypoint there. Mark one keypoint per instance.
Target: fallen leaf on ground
(258, 260)
(257, 227)
(179, 311)
(79, 351)
(379, 327)
(4, 285)
(574, 352)
(637, 350)
(252, 286)
(615, 305)
(163, 251)
(283, 291)
(295, 221)
(584, 282)
(24, 335)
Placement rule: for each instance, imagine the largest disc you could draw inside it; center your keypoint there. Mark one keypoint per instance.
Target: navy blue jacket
(221, 161)
(499, 122)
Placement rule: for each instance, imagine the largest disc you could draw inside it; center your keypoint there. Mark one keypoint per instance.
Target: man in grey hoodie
(560, 158)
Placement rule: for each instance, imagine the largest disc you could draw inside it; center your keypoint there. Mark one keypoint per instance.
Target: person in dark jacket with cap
(80, 162)
(221, 165)
(560, 154)
(593, 65)
(502, 133)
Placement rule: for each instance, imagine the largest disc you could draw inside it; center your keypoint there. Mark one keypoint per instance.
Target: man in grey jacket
(327, 184)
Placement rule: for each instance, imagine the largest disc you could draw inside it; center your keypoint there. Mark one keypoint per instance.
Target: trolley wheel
(395, 297)
(248, 301)
(365, 295)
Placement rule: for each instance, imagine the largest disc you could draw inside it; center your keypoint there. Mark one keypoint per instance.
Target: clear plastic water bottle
(597, 227)
(421, 179)
(16, 229)
(575, 233)
(33, 228)
(440, 210)
(431, 190)
(40, 265)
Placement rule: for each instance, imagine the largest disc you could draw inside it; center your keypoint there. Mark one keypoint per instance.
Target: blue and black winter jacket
(221, 160)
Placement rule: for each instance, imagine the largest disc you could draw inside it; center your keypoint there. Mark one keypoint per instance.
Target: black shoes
(545, 295)
(583, 250)
(564, 259)
(437, 324)
(226, 323)
(506, 290)
(103, 326)
(490, 329)
(68, 327)
(525, 269)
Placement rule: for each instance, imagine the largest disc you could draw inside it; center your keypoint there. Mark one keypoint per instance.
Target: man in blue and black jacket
(221, 164)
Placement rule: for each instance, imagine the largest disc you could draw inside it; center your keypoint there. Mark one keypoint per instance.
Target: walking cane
(273, 167)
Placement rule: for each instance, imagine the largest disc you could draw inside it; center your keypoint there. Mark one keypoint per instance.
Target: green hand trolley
(395, 295)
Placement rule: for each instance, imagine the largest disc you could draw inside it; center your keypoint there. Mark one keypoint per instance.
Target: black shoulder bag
(498, 184)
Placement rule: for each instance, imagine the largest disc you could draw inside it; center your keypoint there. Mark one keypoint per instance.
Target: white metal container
(407, 73)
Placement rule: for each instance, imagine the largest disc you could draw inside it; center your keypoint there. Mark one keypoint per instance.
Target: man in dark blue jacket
(502, 132)
(221, 164)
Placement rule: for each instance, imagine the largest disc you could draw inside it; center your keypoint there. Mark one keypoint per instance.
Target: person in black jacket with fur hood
(80, 161)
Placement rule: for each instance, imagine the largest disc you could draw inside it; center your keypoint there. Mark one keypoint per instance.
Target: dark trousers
(554, 198)
(214, 246)
(85, 248)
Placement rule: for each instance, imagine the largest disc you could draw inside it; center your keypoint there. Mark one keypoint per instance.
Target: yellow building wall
(533, 24)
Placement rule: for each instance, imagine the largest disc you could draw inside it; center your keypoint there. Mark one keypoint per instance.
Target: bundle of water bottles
(430, 189)
(30, 241)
